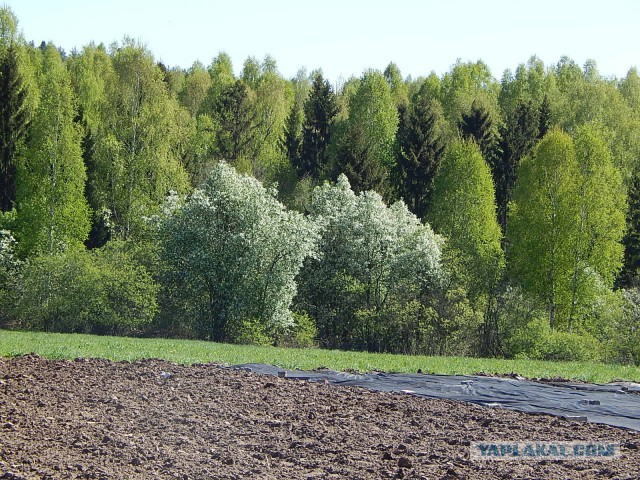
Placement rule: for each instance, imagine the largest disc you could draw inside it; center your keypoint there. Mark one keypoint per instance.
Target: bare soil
(153, 419)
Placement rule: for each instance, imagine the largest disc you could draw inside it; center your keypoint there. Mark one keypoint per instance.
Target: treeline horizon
(451, 214)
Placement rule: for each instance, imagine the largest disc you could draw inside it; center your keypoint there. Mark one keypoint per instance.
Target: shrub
(537, 341)
(102, 291)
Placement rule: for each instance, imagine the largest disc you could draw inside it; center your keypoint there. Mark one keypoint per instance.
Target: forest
(451, 214)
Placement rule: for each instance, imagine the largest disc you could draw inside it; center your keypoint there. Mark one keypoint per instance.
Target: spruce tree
(631, 241)
(544, 117)
(478, 125)
(291, 144)
(519, 136)
(13, 124)
(420, 146)
(319, 111)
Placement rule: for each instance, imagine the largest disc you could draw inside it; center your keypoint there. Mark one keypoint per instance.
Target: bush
(536, 341)
(302, 334)
(102, 291)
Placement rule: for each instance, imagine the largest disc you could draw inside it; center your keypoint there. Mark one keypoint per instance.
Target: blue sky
(345, 37)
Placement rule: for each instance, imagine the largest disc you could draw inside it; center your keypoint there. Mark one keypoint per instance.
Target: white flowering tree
(232, 253)
(372, 259)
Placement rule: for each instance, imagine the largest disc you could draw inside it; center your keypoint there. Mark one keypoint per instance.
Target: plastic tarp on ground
(616, 404)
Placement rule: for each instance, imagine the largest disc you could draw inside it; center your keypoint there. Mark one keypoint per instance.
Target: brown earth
(100, 419)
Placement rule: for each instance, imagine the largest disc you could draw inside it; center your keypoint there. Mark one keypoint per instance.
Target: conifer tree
(478, 125)
(13, 124)
(292, 142)
(631, 270)
(319, 111)
(420, 146)
(519, 136)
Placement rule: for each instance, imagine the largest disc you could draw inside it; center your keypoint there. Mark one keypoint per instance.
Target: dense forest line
(451, 214)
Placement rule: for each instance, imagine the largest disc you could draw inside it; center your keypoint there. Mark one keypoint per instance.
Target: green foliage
(99, 292)
(566, 223)
(364, 147)
(302, 334)
(464, 84)
(463, 210)
(624, 331)
(537, 341)
(134, 162)
(602, 217)
(194, 92)
(519, 135)
(631, 268)
(112, 130)
(232, 252)
(53, 214)
(543, 223)
(10, 276)
(479, 126)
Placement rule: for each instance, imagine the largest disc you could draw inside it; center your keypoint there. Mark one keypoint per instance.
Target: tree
(519, 136)
(543, 224)
(14, 121)
(14, 117)
(196, 86)
(135, 162)
(631, 269)
(397, 85)
(420, 146)
(365, 148)
(53, 214)
(464, 84)
(320, 109)
(567, 223)
(274, 99)
(373, 261)
(463, 210)
(237, 117)
(292, 142)
(598, 252)
(232, 252)
(478, 125)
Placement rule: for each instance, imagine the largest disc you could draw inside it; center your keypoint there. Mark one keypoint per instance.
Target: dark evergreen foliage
(363, 171)
(519, 136)
(319, 111)
(292, 142)
(478, 125)
(629, 275)
(13, 124)
(420, 146)
(544, 117)
(237, 118)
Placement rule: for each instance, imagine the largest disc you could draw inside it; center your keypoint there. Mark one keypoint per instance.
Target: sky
(346, 37)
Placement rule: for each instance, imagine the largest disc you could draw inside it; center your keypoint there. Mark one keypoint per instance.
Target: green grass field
(69, 346)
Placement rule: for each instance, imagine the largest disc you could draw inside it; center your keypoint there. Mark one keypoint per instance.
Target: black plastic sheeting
(615, 404)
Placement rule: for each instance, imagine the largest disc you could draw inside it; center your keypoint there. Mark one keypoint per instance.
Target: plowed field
(153, 419)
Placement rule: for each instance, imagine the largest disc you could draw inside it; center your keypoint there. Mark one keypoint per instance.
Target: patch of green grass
(69, 346)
